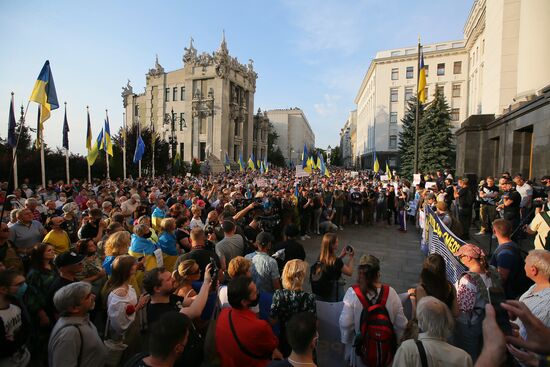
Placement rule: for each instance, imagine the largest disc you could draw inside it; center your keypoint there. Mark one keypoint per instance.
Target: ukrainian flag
(304, 157)
(241, 162)
(261, 165)
(421, 77)
(324, 168)
(388, 171)
(44, 92)
(251, 162)
(227, 164)
(266, 167)
(376, 166)
(94, 152)
(108, 144)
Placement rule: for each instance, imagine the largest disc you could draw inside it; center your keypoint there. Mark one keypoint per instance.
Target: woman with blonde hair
(187, 272)
(167, 243)
(237, 266)
(291, 299)
(116, 244)
(327, 271)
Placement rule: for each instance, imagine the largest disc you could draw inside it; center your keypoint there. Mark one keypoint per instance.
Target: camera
(349, 248)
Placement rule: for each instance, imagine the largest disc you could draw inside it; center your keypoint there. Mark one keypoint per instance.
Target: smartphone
(213, 268)
(349, 248)
(496, 297)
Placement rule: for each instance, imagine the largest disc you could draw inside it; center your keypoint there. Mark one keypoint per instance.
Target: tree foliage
(406, 138)
(336, 156)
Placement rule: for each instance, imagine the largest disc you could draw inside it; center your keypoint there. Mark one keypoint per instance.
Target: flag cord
(14, 156)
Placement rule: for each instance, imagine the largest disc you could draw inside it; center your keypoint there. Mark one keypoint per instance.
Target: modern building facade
(205, 109)
(348, 140)
(294, 131)
(494, 80)
(390, 82)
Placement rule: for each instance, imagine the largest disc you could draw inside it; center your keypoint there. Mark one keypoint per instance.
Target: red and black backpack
(376, 344)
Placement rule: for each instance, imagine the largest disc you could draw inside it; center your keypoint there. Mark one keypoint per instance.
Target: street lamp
(329, 152)
(171, 119)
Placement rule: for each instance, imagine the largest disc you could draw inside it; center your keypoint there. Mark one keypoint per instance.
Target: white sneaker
(303, 238)
(356, 222)
(341, 228)
(307, 237)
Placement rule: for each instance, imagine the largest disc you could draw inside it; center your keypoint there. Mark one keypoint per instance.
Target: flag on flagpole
(65, 130)
(266, 166)
(376, 166)
(261, 165)
(94, 152)
(140, 149)
(324, 168)
(318, 163)
(304, 157)
(227, 164)
(251, 164)
(12, 138)
(241, 162)
(388, 171)
(44, 92)
(421, 76)
(107, 136)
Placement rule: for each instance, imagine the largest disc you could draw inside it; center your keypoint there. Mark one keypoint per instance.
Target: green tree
(336, 156)
(407, 136)
(436, 149)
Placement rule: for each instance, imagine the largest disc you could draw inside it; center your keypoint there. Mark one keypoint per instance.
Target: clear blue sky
(310, 54)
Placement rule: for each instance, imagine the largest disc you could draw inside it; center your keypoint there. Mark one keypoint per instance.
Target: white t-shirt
(525, 191)
(11, 318)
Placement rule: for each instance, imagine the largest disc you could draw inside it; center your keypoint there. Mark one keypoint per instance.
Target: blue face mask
(21, 291)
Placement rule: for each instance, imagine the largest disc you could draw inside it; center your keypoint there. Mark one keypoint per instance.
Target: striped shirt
(539, 304)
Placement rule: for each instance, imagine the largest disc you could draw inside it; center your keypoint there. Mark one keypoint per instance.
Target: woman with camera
(327, 271)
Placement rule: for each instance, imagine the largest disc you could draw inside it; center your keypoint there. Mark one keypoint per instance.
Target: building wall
(294, 131)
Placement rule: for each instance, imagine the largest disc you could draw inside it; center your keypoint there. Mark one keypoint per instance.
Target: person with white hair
(74, 340)
(537, 298)
(431, 349)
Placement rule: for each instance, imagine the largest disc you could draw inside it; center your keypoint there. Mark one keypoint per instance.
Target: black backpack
(320, 285)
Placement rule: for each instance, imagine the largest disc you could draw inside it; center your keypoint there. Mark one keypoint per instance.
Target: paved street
(399, 253)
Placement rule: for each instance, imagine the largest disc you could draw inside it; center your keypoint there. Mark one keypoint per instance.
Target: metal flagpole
(106, 150)
(14, 152)
(89, 167)
(415, 168)
(139, 162)
(42, 160)
(67, 152)
(124, 144)
(153, 149)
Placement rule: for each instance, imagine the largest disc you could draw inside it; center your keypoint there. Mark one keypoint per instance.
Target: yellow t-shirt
(540, 226)
(59, 240)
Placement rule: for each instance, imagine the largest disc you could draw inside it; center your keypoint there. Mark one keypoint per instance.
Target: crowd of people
(210, 270)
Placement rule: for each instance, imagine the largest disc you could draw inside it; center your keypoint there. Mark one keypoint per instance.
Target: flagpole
(415, 168)
(89, 167)
(67, 153)
(106, 149)
(42, 160)
(139, 162)
(124, 145)
(15, 182)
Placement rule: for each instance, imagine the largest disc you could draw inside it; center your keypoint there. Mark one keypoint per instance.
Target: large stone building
(348, 140)
(494, 80)
(390, 82)
(204, 109)
(294, 131)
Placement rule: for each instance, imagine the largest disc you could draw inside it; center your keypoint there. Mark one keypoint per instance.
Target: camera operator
(540, 225)
(213, 228)
(510, 206)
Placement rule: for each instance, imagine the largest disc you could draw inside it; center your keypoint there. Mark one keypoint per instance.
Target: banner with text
(445, 243)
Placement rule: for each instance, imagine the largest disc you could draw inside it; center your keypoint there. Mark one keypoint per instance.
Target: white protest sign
(300, 172)
(416, 179)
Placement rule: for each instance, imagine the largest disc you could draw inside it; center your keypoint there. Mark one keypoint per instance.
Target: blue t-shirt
(508, 256)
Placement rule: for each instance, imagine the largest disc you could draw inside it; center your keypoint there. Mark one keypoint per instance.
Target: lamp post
(329, 152)
(170, 120)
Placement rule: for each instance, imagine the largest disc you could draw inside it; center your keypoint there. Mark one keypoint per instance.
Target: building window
(410, 72)
(441, 90)
(427, 68)
(236, 153)
(393, 141)
(202, 153)
(455, 114)
(456, 90)
(408, 94)
(182, 120)
(393, 95)
(202, 126)
(426, 92)
(166, 94)
(236, 130)
(182, 94)
(457, 68)
(393, 117)
(175, 94)
(394, 74)
(440, 69)
(136, 110)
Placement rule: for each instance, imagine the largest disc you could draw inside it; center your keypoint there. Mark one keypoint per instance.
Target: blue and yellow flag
(376, 166)
(94, 152)
(251, 164)
(388, 171)
(241, 162)
(324, 168)
(266, 166)
(140, 149)
(421, 77)
(318, 165)
(44, 92)
(89, 134)
(304, 157)
(296, 191)
(108, 144)
(261, 165)
(227, 164)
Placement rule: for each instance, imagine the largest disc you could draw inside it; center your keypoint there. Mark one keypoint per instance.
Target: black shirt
(202, 256)
(156, 310)
(293, 250)
(89, 230)
(511, 212)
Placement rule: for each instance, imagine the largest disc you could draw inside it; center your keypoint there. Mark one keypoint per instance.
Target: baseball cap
(68, 258)
(264, 238)
(471, 251)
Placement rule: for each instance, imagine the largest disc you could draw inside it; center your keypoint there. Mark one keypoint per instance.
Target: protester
(231, 245)
(465, 200)
(290, 248)
(431, 348)
(200, 253)
(74, 340)
(265, 271)
(56, 236)
(489, 195)
(117, 244)
(540, 227)
(8, 254)
(26, 232)
(188, 271)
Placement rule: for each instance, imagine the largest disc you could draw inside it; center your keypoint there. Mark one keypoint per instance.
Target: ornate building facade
(204, 110)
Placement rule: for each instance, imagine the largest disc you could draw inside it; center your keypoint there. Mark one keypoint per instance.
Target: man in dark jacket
(289, 249)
